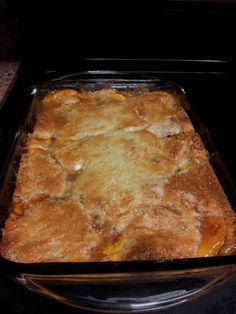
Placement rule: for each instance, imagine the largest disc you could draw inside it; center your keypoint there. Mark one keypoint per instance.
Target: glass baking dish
(112, 287)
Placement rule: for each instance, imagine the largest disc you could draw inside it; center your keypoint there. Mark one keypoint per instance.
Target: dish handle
(128, 292)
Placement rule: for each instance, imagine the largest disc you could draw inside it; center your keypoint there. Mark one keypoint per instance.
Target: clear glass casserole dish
(120, 287)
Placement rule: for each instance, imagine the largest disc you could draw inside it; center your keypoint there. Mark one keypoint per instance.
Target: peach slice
(213, 236)
(18, 209)
(113, 248)
(56, 98)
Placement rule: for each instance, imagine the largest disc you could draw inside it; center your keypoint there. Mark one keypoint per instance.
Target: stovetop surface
(210, 88)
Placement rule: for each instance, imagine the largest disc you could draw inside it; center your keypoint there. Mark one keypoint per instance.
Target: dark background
(127, 28)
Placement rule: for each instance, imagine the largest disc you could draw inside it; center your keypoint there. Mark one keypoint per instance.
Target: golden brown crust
(203, 192)
(163, 115)
(79, 121)
(49, 231)
(114, 175)
(74, 117)
(39, 176)
(60, 98)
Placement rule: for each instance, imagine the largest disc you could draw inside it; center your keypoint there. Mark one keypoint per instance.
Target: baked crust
(111, 176)
(90, 114)
(162, 113)
(39, 176)
(49, 231)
